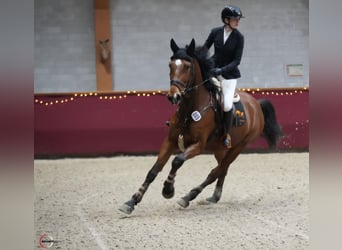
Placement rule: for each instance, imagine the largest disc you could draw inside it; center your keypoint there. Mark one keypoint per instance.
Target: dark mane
(206, 63)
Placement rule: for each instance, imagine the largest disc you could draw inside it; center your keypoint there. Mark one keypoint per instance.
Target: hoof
(212, 199)
(183, 203)
(168, 190)
(126, 209)
(168, 195)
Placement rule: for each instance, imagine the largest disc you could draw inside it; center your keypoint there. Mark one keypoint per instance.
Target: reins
(188, 89)
(178, 83)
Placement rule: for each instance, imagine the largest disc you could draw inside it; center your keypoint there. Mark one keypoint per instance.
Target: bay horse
(197, 125)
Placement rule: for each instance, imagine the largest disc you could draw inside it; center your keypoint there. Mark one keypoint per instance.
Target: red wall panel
(134, 123)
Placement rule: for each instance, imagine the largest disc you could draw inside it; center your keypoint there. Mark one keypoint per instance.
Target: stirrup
(228, 141)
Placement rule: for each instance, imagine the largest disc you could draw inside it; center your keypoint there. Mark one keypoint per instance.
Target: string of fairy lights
(46, 101)
(100, 96)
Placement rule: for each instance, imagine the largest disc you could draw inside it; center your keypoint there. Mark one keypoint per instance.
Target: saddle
(239, 113)
(239, 117)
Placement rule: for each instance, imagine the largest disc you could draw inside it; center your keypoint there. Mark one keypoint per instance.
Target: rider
(228, 43)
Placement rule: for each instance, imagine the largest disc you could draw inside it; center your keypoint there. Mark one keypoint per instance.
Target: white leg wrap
(170, 178)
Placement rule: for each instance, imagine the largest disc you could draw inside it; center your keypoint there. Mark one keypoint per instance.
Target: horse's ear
(174, 46)
(191, 48)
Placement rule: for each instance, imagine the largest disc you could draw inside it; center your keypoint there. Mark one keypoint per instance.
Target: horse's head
(104, 50)
(181, 70)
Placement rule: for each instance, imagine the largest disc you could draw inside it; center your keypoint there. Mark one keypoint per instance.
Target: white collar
(226, 34)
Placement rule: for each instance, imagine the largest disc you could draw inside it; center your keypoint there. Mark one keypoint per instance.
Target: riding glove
(216, 71)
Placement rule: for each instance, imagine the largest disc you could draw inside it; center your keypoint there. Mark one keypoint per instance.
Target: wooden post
(102, 32)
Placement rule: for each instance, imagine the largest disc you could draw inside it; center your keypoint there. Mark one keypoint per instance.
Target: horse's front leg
(195, 149)
(164, 155)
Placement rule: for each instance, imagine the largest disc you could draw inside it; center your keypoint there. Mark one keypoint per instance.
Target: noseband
(178, 84)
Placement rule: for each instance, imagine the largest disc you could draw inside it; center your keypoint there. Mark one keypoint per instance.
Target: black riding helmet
(231, 11)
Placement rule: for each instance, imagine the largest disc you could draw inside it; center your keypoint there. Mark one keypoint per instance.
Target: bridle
(187, 87)
(178, 84)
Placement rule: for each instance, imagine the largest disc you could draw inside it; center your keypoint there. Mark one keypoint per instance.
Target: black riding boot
(228, 122)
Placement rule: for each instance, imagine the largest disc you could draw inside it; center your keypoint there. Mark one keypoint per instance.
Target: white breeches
(228, 90)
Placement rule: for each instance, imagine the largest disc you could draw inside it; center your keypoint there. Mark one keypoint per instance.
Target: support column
(103, 54)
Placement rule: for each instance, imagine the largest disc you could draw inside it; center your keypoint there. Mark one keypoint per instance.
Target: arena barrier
(132, 122)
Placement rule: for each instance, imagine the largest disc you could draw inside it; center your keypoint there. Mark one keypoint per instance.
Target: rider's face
(234, 22)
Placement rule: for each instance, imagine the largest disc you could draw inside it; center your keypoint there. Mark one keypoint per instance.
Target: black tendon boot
(228, 122)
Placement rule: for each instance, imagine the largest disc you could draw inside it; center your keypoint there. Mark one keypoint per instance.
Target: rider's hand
(216, 71)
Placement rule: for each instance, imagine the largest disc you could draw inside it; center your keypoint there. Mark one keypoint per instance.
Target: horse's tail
(272, 131)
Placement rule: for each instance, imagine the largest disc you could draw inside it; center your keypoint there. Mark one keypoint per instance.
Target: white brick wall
(276, 34)
(64, 46)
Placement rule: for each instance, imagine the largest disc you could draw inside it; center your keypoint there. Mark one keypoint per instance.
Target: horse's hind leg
(164, 155)
(213, 175)
(218, 189)
(184, 201)
(217, 173)
(231, 156)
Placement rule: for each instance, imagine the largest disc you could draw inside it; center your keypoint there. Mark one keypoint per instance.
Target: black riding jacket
(226, 56)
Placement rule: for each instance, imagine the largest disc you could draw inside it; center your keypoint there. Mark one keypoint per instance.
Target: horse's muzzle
(174, 99)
